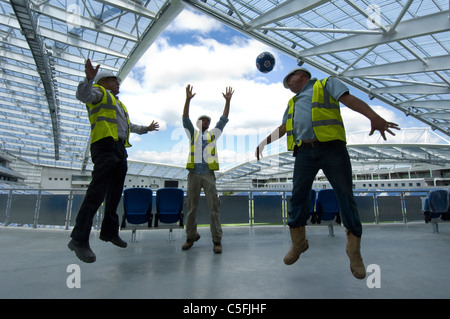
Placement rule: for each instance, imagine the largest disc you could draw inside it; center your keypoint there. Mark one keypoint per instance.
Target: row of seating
(436, 207)
(324, 207)
(137, 204)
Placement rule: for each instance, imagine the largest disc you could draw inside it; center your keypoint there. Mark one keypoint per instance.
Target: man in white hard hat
(315, 133)
(202, 162)
(110, 131)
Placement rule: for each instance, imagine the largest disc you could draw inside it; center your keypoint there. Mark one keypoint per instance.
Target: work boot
(299, 244)
(190, 242)
(353, 252)
(82, 250)
(217, 248)
(115, 240)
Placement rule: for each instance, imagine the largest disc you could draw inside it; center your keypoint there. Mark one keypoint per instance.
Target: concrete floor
(413, 263)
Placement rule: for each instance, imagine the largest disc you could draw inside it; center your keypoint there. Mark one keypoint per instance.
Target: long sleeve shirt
(86, 93)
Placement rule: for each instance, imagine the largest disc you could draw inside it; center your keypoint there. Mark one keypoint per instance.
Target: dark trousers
(333, 159)
(110, 168)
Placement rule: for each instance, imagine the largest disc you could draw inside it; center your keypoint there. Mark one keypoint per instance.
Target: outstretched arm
(229, 93)
(377, 122)
(189, 96)
(275, 135)
(143, 129)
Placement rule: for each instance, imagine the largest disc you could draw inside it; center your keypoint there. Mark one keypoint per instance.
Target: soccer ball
(265, 62)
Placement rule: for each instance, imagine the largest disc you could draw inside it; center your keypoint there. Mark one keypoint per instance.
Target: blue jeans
(333, 159)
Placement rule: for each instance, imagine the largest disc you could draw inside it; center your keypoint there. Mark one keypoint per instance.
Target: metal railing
(59, 207)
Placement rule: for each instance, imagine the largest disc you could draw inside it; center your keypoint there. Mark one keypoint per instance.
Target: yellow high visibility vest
(326, 117)
(103, 117)
(211, 154)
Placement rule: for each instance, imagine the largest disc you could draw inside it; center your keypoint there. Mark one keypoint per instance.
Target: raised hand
(90, 71)
(189, 94)
(229, 93)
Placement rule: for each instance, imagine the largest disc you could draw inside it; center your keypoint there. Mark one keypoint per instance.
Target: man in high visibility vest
(315, 132)
(110, 131)
(202, 162)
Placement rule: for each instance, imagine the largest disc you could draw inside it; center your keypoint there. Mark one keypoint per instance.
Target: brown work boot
(353, 252)
(217, 248)
(299, 244)
(190, 242)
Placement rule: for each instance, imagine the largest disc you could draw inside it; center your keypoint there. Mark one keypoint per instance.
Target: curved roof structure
(410, 147)
(394, 51)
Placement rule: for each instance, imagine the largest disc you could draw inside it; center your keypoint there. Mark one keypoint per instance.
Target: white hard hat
(204, 117)
(103, 74)
(292, 72)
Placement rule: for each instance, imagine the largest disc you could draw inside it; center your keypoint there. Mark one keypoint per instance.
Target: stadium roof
(394, 51)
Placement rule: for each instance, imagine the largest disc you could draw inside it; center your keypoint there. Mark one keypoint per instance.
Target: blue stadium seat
(169, 207)
(327, 209)
(137, 206)
(436, 207)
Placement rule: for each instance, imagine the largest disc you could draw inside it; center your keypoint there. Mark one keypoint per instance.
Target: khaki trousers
(195, 183)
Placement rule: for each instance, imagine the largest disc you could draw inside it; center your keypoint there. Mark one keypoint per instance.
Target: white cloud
(167, 158)
(190, 21)
(155, 89)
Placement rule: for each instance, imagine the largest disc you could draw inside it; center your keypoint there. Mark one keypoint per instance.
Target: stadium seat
(137, 206)
(436, 207)
(169, 207)
(327, 209)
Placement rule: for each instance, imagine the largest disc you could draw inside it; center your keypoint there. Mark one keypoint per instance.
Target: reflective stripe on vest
(103, 117)
(211, 154)
(326, 117)
(290, 125)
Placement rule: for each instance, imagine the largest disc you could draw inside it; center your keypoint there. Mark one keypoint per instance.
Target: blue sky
(210, 56)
